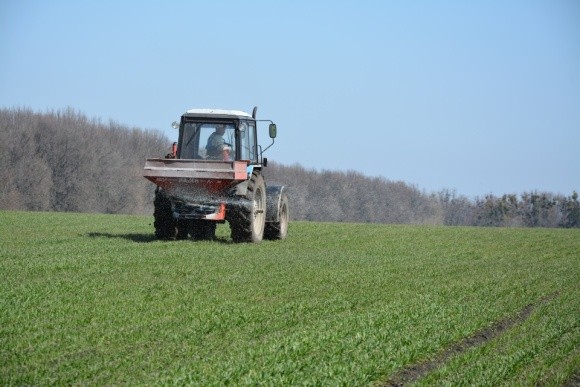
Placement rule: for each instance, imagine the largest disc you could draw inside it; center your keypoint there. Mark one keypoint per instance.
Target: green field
(94, 299)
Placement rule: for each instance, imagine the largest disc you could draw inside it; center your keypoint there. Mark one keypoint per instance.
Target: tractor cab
(211, 134)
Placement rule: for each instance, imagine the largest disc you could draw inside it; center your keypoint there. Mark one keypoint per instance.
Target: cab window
(248, 149)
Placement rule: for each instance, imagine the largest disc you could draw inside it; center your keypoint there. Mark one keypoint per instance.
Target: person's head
(220, 129)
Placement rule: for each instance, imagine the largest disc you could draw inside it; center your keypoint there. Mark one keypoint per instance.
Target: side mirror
(272, 130)
(175, 125)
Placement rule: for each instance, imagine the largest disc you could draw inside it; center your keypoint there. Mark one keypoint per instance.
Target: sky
(478, 97)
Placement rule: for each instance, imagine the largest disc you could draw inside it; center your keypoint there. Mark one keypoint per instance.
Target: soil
(416, 371)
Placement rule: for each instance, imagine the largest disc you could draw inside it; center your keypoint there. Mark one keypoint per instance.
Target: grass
(94, 299)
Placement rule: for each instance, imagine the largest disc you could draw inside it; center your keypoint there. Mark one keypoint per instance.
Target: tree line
(354, 197)
(63, 161)
(530, 209)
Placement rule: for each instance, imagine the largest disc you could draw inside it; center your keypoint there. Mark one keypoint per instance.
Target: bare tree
(62, 161)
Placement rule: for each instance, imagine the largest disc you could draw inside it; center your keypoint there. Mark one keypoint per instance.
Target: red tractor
(213, 175)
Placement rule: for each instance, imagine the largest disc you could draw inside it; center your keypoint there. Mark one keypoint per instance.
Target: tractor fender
(240, 189)
(273, 196)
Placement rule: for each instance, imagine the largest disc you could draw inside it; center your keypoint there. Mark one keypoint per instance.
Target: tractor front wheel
(279, 230)
(203, 230)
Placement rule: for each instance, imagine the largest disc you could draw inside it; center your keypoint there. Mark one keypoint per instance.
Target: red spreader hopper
(180, 175)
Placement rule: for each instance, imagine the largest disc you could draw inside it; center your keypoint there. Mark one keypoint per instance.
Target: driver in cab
(217, 148)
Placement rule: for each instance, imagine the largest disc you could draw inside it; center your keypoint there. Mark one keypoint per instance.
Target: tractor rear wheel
(165, 225)
(279, 229)
(247, 222)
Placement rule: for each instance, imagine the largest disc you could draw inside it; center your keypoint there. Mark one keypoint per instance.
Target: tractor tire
(165, 225)
(247, 223)
(203, 230)
(279, 230)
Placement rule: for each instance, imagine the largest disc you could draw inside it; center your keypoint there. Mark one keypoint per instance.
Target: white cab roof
(219, 111)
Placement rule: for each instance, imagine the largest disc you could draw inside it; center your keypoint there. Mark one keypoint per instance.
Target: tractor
(213, 174)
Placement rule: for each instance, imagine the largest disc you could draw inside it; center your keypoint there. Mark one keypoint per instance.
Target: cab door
(248, 145)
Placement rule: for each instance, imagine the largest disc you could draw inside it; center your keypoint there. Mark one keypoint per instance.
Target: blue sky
(476, 96)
